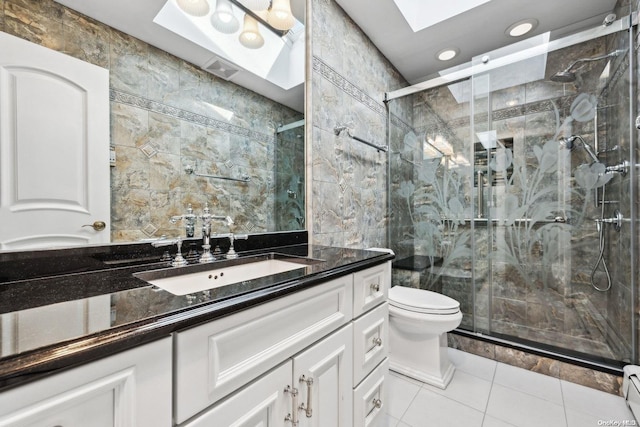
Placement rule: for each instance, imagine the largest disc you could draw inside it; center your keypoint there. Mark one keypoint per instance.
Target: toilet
(418, 324)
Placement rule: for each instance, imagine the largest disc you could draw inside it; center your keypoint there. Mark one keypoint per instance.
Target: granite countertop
(115, 311)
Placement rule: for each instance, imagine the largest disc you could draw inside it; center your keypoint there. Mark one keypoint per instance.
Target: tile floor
(486, 393)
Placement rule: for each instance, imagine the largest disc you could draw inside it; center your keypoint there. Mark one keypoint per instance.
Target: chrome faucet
(206, 218)
(189, 219)
(179, 260)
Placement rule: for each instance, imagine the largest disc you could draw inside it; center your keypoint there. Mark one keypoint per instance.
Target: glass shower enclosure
(511, 190)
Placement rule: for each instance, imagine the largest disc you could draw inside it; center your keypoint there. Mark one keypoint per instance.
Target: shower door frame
(483, 64)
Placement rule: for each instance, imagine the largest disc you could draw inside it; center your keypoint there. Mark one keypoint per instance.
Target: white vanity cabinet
(132, 388)
(311, 389)
(297, 361)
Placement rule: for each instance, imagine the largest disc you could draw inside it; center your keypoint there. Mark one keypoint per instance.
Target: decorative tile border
(167, 110)
(356, 93)
(347, 87)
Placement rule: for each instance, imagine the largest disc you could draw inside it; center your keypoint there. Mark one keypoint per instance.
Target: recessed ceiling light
(447, 54)
(521, 28)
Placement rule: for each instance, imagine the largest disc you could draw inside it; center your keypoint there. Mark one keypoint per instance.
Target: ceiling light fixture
(447, 54)
(521, 28)
(223, 19)
(194, 7)
(280, 16)
(250, 36)
(256, 5)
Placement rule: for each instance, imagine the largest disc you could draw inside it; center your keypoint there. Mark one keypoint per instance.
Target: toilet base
(440, 381)
(424, 358)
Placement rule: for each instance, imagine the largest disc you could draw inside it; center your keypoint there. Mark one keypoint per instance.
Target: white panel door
(323, 374)
(54, 148)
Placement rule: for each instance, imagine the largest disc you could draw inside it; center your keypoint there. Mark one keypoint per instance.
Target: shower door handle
(480, 213)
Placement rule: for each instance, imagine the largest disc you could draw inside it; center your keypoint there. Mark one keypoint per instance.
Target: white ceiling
(477, 31)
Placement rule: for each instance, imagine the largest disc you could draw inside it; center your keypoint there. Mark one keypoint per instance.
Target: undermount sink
(201, 277)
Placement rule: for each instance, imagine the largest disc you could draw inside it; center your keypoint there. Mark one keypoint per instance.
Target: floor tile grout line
(564, 404)
(410, 403)
(493, 378)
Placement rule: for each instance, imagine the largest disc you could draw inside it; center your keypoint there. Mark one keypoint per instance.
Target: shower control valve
(616, 220)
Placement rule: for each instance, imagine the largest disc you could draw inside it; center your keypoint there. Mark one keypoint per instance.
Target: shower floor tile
(485, 393)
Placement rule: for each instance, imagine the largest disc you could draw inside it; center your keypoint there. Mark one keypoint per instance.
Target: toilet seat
(422, 301)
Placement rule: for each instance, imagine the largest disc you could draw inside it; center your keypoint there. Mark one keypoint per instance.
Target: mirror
(176, 104)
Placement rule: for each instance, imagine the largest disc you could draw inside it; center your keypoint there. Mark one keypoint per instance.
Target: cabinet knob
(377, 403)
(375, 287)
(377, 341)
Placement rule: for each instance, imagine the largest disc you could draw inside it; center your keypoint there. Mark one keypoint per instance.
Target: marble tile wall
(349, 184)
(165, 114)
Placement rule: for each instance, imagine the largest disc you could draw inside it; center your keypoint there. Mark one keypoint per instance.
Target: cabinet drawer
(370, 288)
(216, 358)
(370, 341)
(370, 398)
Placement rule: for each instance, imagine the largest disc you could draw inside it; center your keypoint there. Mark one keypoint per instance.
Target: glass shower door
(551, 133)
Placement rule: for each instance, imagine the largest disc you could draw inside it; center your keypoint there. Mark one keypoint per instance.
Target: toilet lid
(422, 301)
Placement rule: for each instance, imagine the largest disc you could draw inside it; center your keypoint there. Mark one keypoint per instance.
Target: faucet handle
(179, 260)
(231, 253)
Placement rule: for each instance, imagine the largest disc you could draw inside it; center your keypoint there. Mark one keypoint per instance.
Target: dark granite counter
(52, 322)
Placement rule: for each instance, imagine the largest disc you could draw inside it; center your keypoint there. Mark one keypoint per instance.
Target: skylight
(426, 13)
(277, 61)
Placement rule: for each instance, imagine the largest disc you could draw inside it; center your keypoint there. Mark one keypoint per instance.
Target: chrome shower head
(568, 76)
(564, 76)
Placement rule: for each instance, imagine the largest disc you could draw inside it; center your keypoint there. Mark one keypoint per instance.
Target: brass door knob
(97, 225)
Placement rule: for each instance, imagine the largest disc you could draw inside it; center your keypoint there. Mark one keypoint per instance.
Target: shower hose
(601, 245)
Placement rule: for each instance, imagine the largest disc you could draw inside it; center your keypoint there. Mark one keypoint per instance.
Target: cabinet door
(323, 375)
(132, 388)
(262, 403)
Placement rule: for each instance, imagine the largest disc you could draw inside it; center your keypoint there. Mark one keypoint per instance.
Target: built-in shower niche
(482, 157)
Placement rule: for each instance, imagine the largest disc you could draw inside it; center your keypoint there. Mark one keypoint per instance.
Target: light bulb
(223, 19)
(250, 36)
(280, 16)
(256, 5)
(194, 7)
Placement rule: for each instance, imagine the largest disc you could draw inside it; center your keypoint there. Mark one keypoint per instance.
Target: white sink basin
(217, 276)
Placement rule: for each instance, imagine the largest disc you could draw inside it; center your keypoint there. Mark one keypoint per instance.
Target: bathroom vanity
(308, 346)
